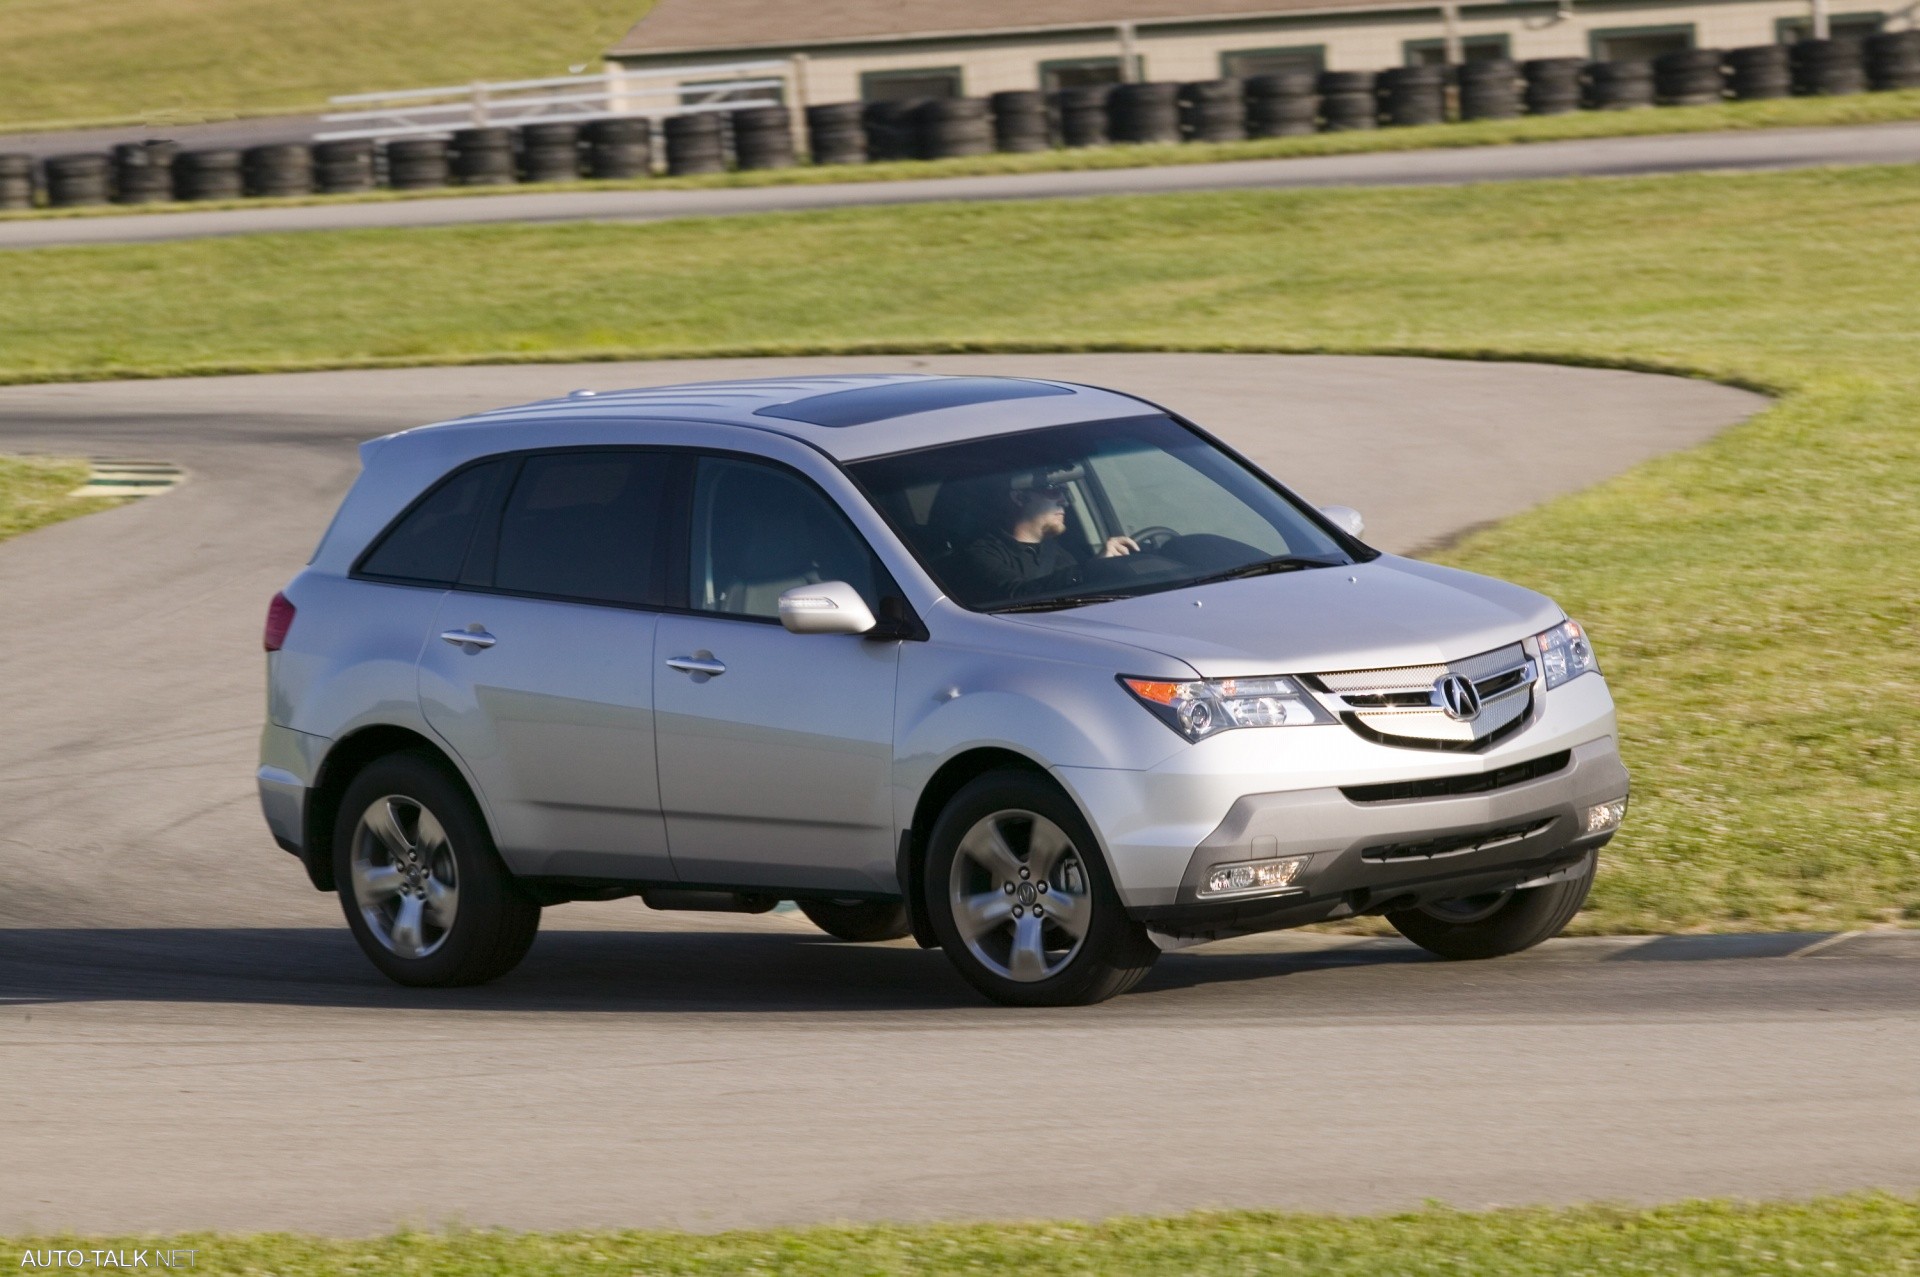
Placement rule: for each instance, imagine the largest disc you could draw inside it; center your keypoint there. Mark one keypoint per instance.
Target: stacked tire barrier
(1347, 101)
(1893, 60)
(835, 134)
(1283, 104)
(1082, 114)
(417, 163)
(208, 175)
(1554, 85)
(1689, 77)
(16, 182)
(550, 152)
(1144, 113)
(77, 180)
(619, 148)
(1758, 73)
(763, 137)
(1413, 95)
(143, 172)
(343, 167)
(695, 144)
(1619, 86)
(1828, 68)
(277, 171)
(1490, 90)
(1020, 121)
(1213, 111)
(482, 157)
(890, 133)
(949, 128)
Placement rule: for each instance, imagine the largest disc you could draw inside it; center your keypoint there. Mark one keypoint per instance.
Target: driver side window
(759, 531)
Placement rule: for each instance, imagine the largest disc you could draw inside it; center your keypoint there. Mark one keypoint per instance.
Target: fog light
(1606, 816)
(1251, 875)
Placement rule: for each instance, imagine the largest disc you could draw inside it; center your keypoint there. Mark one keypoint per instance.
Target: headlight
(1208, 707)
(1565, 653)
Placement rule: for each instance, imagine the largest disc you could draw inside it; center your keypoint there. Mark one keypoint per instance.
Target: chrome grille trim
(1406, 706)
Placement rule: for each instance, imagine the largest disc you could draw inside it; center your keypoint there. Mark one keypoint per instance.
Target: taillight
(279, 621)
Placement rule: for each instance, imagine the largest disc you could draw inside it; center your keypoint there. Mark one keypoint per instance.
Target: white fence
(639, 94)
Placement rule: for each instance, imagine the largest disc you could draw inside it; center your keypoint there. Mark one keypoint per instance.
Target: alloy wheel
(1020, 895)
(405, 881)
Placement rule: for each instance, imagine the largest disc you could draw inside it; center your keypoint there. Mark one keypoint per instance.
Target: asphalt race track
(188, 1037)
(1594, 157)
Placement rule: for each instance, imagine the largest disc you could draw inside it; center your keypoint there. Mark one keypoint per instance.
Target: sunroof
(904, 398)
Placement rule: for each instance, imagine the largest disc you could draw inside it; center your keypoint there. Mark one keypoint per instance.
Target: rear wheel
(420, 882)
(1496, 923)
(861, 921)
(1021, 901)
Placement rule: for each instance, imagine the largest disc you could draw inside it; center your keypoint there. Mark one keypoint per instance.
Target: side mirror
(831, 607)
(1346, 518)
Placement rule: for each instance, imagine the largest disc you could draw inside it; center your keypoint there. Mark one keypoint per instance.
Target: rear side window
(585, 525)
(429, 542)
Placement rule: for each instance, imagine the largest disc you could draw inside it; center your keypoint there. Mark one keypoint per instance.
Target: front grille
(1406, 706)
(1455, 844)
(1450, 786)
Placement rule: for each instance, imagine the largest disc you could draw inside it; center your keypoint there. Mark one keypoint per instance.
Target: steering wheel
(1155, 537)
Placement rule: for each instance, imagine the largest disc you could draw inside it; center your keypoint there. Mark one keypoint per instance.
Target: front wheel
(861, 921)
(1021, 901)
(1496, 923)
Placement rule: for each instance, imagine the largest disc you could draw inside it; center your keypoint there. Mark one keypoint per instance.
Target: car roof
(848, 417)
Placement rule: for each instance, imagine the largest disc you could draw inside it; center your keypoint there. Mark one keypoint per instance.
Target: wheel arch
(348, 757)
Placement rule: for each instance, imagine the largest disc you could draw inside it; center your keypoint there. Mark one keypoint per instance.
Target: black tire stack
(1759, 72)
(948, 128)
(1020, 121)
(76, 180)
(1213, 111)
(1893, 60)
(1144, 113)
(1283, 104)
(890, 132)
(482, 157)
(208, 175)
(1619, 86)
(550, 152)
(417, 163)
(1412, 95)
(143, 172)
(278, 170)
(1553, 85)
(1689, 77)
(16, 182)
(1828, 68)
(1347, 101)
(619, 148)
(1490, 90)
(763, 137)
(695, 144)
(835, 134)
(343, 166)
(1082, 113)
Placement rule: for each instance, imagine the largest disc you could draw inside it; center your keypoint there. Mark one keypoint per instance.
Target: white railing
(639, 94)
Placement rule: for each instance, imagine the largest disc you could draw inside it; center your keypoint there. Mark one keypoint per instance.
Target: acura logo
(1458, 697)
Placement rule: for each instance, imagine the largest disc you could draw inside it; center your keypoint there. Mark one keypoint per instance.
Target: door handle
(697, 666)
(474, 638)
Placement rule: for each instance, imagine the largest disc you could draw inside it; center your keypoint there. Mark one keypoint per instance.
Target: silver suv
(1040, 674)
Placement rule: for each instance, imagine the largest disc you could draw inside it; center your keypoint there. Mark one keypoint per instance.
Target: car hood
(1389, 612)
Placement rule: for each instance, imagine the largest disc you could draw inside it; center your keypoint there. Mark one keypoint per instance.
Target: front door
(775, 749)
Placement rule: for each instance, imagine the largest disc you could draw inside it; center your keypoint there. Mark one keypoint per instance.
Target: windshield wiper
(1061, 603)
(1265, 567)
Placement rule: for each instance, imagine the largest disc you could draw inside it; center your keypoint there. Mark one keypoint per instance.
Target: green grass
(36, 491)
(1755, 601)
(1875, 108)
(1875, 1235)
(178, 61)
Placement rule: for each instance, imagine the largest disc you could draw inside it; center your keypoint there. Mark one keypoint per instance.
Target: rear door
(539, 671)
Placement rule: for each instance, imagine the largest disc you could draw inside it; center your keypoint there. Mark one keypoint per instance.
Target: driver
(1022, 553)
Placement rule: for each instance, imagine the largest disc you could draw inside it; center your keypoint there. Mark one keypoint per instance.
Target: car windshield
(1090, 512)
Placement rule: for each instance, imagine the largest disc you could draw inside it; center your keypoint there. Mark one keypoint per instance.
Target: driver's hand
(1117, 546)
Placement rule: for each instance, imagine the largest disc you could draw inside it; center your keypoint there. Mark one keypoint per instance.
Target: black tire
(1113, 952)
(861, 921)
(493, 922)
(1490, 927)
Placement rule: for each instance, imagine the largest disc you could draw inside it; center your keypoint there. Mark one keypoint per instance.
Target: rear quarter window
(428, 544)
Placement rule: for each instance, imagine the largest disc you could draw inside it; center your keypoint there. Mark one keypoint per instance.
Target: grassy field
(183, 60)
(1873, 1236)
(1755, 601)
(34, 491)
